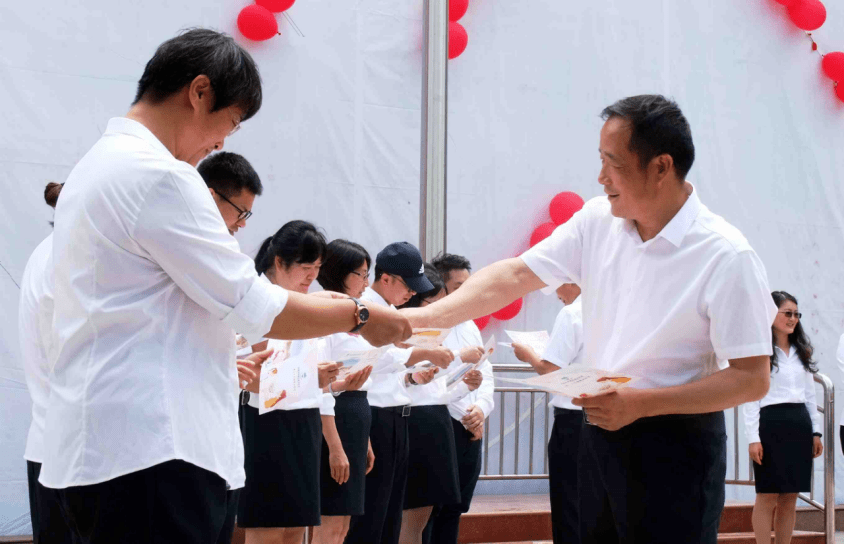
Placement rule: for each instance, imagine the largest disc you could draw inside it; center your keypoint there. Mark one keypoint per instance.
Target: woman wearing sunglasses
(783, 429)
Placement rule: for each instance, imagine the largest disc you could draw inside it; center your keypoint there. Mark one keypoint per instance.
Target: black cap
(403, 259)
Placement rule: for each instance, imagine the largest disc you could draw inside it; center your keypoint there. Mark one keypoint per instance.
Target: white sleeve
(812, 405)
(740, 308)
(181, 229)
(751, 421)
(326, 406)
(558, 259)
(563, 347)
(395, 359)
(485, 394)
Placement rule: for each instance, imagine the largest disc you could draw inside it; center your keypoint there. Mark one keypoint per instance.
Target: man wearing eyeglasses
(234, 184)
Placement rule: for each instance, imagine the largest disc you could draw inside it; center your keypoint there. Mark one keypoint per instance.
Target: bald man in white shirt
(149, 289)
(668, 289)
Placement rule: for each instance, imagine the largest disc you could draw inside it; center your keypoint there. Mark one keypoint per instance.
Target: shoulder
(716, 230)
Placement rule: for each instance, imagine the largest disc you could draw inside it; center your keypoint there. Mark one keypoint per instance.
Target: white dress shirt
(790, 383)
(387, 390)
(462, 336)
(149, 289)
(294, 349)
(840, 357)
(566, 345)
(35, 321)
(667, 309)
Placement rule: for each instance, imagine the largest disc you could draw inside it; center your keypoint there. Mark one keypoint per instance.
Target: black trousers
(563, 448)
(171, 502)
(658, 480)
(48, 525)
(444, 523)
(385, 484)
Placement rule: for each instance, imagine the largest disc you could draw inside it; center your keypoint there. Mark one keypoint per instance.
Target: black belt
(403, 411)
(352, 394)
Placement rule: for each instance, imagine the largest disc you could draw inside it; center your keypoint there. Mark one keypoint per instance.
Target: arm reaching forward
(485, 292)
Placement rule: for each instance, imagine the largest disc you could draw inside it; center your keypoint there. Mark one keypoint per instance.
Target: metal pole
(432, 194)
(829, 456)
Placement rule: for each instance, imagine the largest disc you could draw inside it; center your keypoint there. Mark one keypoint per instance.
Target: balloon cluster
(562, 207)
(257, 21)
(809, 15)
(458, 39)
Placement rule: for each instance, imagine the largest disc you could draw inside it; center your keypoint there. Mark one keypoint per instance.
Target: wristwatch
(362, 315)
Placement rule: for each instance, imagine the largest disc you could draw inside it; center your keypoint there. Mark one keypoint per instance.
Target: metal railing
(507, 442)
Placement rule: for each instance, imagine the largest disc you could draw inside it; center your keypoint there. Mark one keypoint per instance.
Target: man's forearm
(307, 316)
(735, 385)
(485, 292)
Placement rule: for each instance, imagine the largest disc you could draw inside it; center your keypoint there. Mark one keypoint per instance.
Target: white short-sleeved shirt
(566, 345)
(35, 321)
(667, 309)
(387, 389)
(466, 335)
(149, 289)
(790, 383)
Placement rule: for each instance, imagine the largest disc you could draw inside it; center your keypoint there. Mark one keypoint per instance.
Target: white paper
(242, 346)
(576, 382)
(358, 360)
(427, 338)
(286, 381)
(505, 344)
(456, 377)
(537, 340)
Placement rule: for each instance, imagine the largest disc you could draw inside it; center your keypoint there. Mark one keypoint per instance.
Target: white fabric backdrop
(337, 140)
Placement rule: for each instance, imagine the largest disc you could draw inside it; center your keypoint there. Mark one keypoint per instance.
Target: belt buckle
(405, 411)
(244, 398)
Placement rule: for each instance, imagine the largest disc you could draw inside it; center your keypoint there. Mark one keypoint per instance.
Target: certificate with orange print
(286, 381)
(427, 338)
(576, 382)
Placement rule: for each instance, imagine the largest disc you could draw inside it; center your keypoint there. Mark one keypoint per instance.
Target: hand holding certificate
(536, 340)
(576, 382)
(457, 376)
(286, 381)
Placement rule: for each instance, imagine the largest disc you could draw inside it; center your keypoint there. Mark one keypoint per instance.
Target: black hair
(798, 338)
(229, 173)
(342, 257)
(436, 280)
(52, 192)
(657, 126)
(295, 242)
(446, 262)
(200, 51)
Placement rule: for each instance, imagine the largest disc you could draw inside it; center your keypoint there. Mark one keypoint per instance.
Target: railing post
(829, 456)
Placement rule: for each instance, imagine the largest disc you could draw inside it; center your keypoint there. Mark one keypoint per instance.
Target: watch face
(363, 315)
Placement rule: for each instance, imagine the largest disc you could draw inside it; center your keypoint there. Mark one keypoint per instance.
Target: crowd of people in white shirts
(141, 319)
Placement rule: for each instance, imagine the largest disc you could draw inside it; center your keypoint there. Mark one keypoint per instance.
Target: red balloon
(482, 322)
(563, 206)
(457, 9)
(509, 312)
(276, 6)
(257, 23)
(542, 232)
(839, 91)
(457, 39)
(807, 14)
(833, 65)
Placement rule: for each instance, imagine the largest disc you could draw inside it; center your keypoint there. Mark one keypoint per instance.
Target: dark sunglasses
(789, 314)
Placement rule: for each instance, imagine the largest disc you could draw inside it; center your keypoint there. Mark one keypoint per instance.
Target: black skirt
(432, 477)
(786, 434)
(353, 418)
(282, 456)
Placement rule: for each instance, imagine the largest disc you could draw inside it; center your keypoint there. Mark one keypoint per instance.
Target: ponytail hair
(51, 193)
(295, 242)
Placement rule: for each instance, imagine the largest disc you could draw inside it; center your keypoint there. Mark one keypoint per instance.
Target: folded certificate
(286, 381)
(537, 340)
(358, 360)
(576, 382)
(455, 377)
(427, 338)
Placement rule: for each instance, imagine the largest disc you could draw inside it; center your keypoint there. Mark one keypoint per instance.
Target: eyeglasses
(236, 126)
(361, 275)
(243, 214)
(789, 314)
(411, 291)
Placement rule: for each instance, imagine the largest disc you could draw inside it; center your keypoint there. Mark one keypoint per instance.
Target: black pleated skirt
(432, 476)
(353, 418)
(282, 461)
(786, 434)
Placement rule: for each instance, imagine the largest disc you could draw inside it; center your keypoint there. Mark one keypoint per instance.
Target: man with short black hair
(234, 184)
(142, 439)
(669, 288)
(455, 270)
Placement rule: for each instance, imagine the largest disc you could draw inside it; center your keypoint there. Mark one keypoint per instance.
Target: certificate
(576, 382)
(357, 360)
(286, 381)
(457, 376)
(427, 338)
(537, 340)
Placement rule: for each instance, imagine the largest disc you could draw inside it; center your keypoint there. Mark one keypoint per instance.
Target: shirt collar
(130, 127)
(679, 226)
(372, 295)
